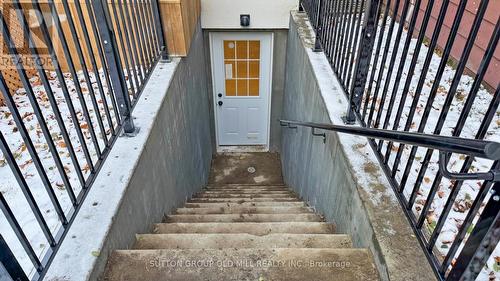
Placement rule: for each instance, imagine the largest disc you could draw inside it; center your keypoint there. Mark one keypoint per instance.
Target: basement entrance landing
(246, 168)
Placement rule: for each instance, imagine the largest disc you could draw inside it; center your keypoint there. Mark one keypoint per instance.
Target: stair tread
(242, 186)
(262, 228)
(245, 184)
(243, 196)
(244, 204)
(242, 264)
(239, 240)
(244, 210)
(244, 218)
(242, 200)
(246, 191)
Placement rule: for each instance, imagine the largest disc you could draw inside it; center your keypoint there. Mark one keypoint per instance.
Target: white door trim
(243, 148)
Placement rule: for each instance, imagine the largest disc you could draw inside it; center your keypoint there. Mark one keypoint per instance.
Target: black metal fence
(84, 66)
(399, 78)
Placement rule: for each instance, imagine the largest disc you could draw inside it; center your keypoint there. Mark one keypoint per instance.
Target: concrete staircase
(243, 232)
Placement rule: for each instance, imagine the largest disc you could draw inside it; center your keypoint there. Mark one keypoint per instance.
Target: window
(242, 68)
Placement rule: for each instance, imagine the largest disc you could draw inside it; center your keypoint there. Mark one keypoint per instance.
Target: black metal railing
(401, 71)
(81, 66)
(485, 235)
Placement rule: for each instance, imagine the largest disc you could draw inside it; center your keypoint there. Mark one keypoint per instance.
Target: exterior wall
(225, 14)
(480, 44)
(341, 179)
(278, 90)
(147, 176)
(278, 84)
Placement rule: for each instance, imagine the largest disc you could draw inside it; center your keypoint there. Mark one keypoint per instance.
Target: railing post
(120, 89)
(317, 44)
(482, 241)
(159, 27)
(8, 263)
(362, 61)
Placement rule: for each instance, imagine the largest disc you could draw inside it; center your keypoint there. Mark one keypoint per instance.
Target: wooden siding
(179, 18)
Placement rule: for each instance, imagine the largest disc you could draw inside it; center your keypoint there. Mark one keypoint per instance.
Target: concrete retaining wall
(148, 175)
(342, 178)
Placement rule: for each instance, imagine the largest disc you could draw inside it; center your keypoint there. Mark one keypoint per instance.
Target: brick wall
(485, 32)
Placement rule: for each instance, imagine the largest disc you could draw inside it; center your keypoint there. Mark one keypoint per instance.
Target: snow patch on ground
(8, 184)
(469, 189)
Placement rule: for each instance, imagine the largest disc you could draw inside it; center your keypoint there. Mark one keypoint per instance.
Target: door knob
(220, 103)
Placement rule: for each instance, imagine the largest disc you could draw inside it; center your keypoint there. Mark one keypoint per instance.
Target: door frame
(241, 148)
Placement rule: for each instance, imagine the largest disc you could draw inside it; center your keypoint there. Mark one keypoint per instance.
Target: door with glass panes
(241, 69)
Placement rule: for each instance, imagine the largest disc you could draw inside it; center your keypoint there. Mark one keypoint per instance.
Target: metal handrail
(444, 144)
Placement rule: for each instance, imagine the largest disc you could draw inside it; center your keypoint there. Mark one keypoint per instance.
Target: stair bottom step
(242, 264)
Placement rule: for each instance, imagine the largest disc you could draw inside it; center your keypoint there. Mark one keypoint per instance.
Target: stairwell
(245, 225)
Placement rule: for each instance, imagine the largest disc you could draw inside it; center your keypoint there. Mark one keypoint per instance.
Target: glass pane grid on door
(242, 68)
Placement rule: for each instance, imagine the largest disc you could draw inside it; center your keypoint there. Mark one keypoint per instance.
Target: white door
(241, 69)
